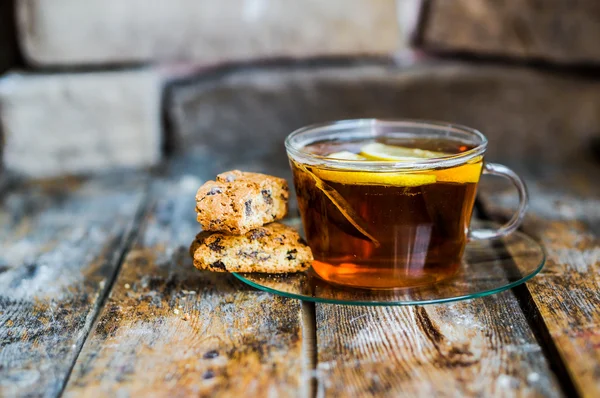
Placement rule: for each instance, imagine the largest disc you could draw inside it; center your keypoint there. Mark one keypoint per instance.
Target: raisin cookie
(238, 202)
(273, 248)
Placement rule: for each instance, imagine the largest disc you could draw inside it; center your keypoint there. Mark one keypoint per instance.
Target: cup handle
(517, 218)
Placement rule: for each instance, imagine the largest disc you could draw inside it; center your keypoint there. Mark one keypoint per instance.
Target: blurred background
(97, 85)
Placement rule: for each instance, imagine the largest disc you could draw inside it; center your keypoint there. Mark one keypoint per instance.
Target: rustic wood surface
(60, 245)
(168, 329)
(98, 297)
(565, 297)
(481, 347)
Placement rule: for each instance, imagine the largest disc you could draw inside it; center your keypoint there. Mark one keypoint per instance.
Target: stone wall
(523, 112)
(100, 75)
(555, 31)
(86, 104)
(80, 122)
(203, 30)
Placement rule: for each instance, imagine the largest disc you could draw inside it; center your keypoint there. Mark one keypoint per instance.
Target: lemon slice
(461, 174)
(374, 178)
(379, 151)
(346, 155)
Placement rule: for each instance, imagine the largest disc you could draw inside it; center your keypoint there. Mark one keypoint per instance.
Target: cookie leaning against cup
(238, 202)
(273, 248)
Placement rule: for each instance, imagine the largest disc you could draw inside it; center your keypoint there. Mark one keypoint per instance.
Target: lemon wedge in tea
(375, 178)
(379, 151)
(369, 177)
(469, 172)
(376, 151)
(346, 155)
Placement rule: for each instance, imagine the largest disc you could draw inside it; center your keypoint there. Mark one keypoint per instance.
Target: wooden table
(98, 297)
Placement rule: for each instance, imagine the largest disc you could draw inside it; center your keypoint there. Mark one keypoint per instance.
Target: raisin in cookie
(239, 201)
(273, 248)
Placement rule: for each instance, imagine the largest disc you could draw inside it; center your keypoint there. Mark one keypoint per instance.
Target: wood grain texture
(481, 347)
(565, 217)
(168, 329)
(60, 244)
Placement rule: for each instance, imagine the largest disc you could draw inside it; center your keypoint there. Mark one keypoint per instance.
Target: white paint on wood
(471, 348)
(59, 245)
(553, 205)
(564, 217)
(582, 261)
(170, 329)
(47, 255)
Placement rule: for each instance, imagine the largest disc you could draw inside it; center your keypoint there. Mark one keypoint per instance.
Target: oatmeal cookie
(273, 248)
(238, 202)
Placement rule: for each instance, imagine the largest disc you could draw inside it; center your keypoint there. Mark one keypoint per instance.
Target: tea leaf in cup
(344, 208)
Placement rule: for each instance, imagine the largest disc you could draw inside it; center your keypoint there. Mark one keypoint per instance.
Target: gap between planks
(535, 321)
(141, 344)
(94, 314)
(544, 339)
(309, 348)
(564, 296)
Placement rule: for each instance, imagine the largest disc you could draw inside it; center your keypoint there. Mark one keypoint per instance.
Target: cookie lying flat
(238, 202)
(273, 248)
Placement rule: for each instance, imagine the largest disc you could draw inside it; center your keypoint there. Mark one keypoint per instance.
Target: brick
(526, 114)
(67, 32)
(560, 31)
(73, 123)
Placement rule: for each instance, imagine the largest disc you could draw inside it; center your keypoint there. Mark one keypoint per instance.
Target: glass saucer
(488, 267)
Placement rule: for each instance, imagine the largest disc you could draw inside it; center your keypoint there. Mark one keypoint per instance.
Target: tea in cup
(388, 204)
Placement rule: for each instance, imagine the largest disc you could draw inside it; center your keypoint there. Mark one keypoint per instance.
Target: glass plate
(488, 267)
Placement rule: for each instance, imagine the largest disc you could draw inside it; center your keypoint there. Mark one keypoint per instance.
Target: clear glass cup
(392, 224)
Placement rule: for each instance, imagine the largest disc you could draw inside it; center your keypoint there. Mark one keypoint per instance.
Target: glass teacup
(387, 204)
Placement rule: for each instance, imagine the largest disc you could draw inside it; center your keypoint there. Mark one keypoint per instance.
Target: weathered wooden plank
(60, 244)
(482, 347)
(168, 329)
(309, 340)
(565, 217)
